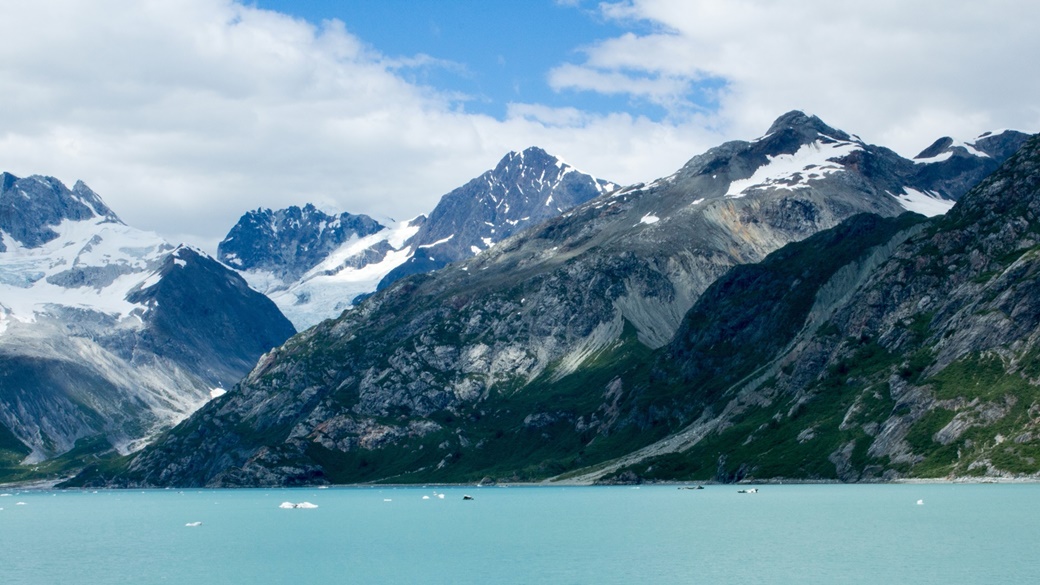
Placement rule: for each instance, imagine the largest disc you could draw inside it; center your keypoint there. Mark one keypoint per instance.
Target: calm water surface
(783, 534)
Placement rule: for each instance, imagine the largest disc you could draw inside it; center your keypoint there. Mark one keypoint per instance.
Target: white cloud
(898, 73)
(660, 90)
(183, 114)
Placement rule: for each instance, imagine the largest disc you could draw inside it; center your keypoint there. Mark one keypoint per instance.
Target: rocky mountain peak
(531, 158)
(31, 207)
(938, 147)
(998, 145)
(950, 167)
(524, 189)
(805, 127)
(289, 242)
(1001, 145)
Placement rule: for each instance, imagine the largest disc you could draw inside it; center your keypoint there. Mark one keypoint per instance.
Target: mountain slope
(921, 363)
(517, 355)
(110, 331)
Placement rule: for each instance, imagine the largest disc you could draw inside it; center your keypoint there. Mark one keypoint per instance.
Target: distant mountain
(538, 356)
(315, 265)
(310, 263)
(289, 242)
(950, 167)
(523, 190)
(108, 331)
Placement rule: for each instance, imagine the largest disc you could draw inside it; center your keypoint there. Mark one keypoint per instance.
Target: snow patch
(792, 171)
(649, 219)
(928, 204)
(934, 159)
(438, 242)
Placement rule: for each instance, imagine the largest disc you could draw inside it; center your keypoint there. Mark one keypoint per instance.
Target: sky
(184, 114)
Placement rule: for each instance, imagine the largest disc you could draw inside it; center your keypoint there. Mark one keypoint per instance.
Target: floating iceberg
(290, 505)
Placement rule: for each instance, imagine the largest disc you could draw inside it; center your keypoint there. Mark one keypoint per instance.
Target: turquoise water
(783, 534)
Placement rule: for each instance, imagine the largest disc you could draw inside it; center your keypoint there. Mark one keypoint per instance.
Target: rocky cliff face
(515, 362)
(107, 331)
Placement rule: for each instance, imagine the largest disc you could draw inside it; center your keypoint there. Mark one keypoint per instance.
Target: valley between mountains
(802, 306)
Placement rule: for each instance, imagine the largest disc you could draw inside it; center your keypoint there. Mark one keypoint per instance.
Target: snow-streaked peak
(944, 148)
(330, 287)
(92, 265)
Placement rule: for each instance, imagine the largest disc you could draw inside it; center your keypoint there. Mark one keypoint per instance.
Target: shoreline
(49, 485)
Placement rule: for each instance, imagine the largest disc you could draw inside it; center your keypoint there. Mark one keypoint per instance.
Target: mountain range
(771, 292)
(314, 265)
(109, 334)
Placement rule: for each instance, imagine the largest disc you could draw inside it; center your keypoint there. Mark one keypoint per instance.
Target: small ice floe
(291, 505)
(748, 491)
(193, 524)
(426, 497)
(467, 497)
(5, 495)
(441, 496)
(387, 500)
(20, 504)
(920, 502)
